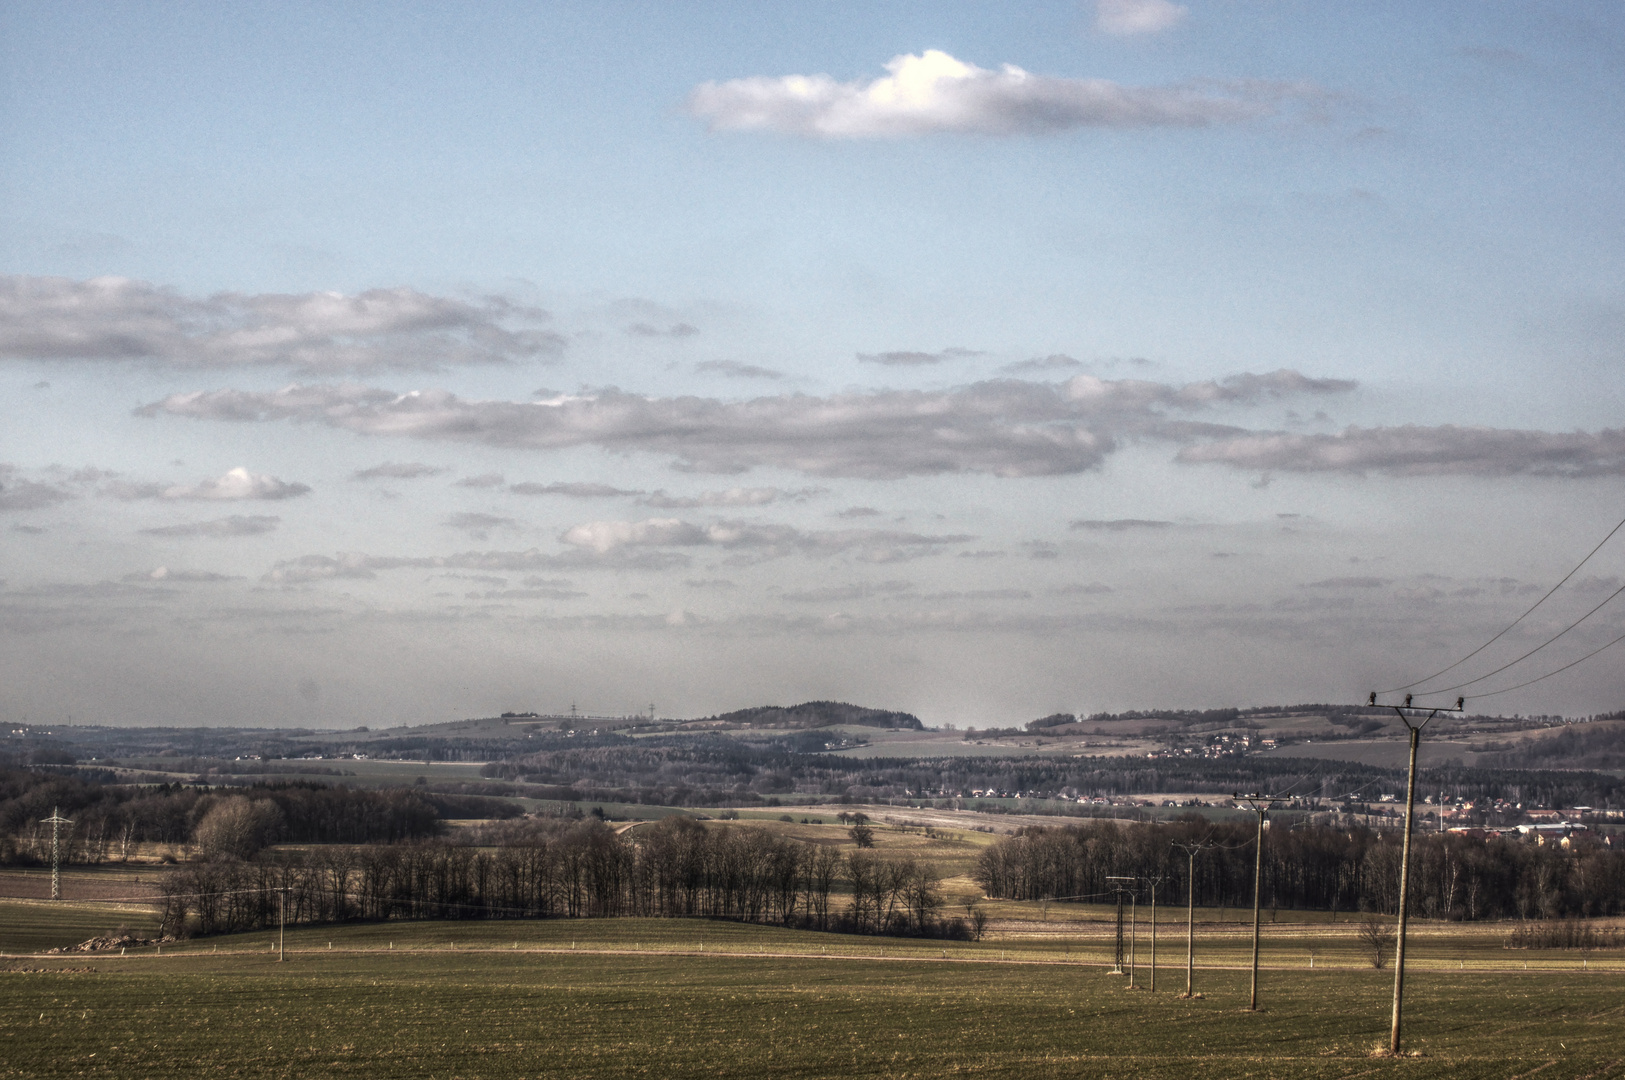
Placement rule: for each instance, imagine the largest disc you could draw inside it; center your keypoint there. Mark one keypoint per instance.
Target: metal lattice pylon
(1122, 952)
(56, 821)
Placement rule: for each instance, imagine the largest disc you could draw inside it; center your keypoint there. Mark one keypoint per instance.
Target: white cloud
(602, 536)
(1126, 17)
(1005, 427)
(935, 92)
(118, 319)
(236, 484)
(484, 480)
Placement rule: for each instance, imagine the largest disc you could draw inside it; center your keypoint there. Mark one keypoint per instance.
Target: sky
(396, 363)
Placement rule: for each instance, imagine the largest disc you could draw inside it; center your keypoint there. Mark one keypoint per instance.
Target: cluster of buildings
(1223, 745)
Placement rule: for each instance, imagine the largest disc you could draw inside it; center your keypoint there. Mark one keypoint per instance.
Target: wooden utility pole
(1415, 727)
(1260, 805)
(1133, 935)
(1190, 916)
(56, 821)
(1154, 883)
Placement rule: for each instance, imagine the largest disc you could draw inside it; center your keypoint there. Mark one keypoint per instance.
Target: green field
(673, 998)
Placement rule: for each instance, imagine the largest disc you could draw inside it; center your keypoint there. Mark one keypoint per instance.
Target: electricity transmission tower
(1260, 805)
(56, 821)
(1414, 726)
(1118, 884)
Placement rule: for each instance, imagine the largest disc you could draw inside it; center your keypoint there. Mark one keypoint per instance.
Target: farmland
(494, 995)
(613, 998)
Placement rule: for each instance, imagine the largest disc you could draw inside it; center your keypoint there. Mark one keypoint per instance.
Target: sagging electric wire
(1549, 674)
(1513, 623)
(1531, 652)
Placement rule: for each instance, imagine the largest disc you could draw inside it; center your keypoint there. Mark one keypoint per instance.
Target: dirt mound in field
(112, 941)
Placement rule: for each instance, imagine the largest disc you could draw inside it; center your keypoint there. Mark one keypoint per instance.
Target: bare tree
(822, 865)
(976, 915)
(1376, 934)
(236, 826)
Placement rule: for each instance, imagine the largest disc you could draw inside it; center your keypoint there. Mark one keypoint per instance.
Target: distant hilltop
(817, 714)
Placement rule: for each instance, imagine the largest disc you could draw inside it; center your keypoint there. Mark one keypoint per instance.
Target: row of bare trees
(1453, 877)
(676, 867)
(111, 820)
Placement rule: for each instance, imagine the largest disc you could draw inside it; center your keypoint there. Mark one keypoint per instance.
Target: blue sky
(800, 386)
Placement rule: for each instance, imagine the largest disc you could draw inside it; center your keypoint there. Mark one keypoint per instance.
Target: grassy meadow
(673, 998)
(677, 998)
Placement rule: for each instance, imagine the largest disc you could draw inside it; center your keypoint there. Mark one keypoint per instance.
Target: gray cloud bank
(1413, 450)
(917, 359)
(118, 319)
(760, 541)
(1005, 427)
(1118, 524)
(19, 494)
(934, 92)
(220, 528)
(651, 544)
(393, 470)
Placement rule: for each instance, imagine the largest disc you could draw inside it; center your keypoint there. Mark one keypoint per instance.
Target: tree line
(677, 867)
(110, 819)
(1340, 870)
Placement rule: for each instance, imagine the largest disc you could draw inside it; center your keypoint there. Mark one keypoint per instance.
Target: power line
(1549, 674)
(1531, 652)
(1514, 622)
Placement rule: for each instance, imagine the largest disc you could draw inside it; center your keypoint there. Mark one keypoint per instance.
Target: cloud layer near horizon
(1005, 427)
(1413, 450)
(935, 92)
(119, 319)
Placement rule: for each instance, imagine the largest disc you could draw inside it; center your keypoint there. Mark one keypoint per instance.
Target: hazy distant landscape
(757, 875)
